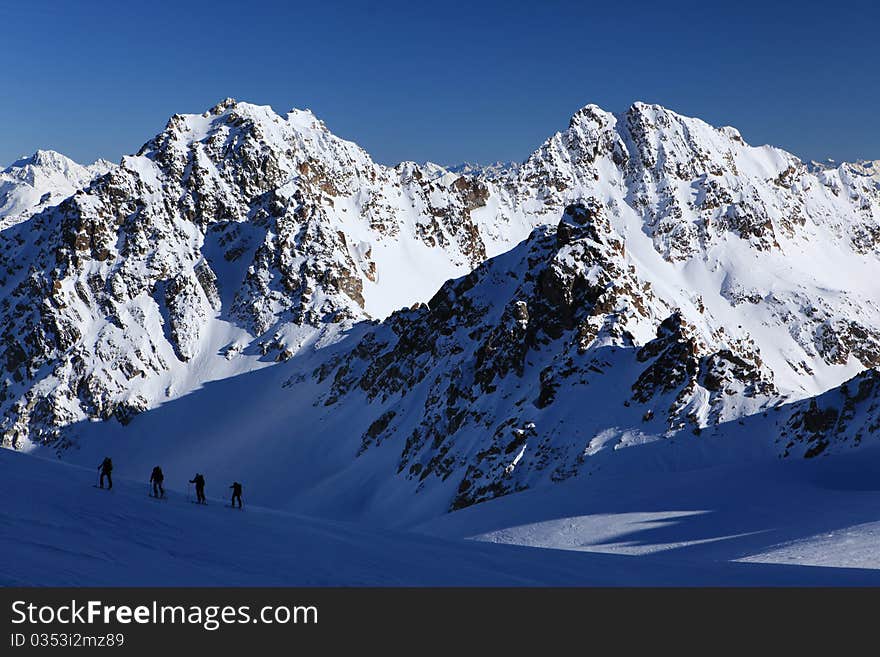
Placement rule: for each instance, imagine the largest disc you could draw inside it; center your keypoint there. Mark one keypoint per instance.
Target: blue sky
(442, 81)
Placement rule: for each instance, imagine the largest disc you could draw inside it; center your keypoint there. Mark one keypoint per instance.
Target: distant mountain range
(40, 181)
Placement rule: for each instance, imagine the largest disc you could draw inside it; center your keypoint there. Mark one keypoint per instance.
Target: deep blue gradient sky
(442, 81)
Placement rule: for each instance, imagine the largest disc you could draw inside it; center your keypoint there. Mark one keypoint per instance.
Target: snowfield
(816, 513)
(703, 528)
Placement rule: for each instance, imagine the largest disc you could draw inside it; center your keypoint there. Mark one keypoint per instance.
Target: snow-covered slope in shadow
(820, 512)
(523, 374)
(63, 531)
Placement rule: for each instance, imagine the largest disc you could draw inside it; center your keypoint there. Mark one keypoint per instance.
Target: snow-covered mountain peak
(41, 180)
(591, 113)
(496, 171)
(869, 168)
(47, 160)
(233, 238)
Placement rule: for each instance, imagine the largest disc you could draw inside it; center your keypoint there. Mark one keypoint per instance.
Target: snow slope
(295, 453)
(64, 532)
(821, 512)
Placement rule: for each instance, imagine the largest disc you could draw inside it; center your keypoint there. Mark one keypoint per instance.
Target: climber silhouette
(106, 468)
(199, 481)
(236, 493)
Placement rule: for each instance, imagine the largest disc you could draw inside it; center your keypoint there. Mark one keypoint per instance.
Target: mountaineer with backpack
(236, 494)
(106, 468)
(199, 481)
(156, 478)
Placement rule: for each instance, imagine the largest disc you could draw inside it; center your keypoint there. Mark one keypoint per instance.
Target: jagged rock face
(499, 359)
(694, 185)
(710, 202)
(702, 378)
(110, 295)
(842, 418)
